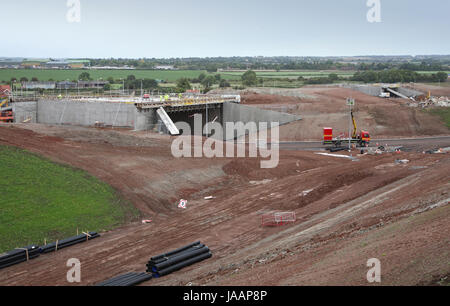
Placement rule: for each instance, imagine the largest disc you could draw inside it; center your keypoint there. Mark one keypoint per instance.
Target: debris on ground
(432, 102)
(306, 192)
(337, 155)
(401, 161)
(438, 151)
(263, 182)
(182, 204)
(383, 149)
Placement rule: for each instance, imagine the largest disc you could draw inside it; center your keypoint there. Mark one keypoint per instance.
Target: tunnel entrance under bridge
(223, 113)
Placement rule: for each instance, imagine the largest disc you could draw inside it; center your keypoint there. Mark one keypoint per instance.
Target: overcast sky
(209, 28)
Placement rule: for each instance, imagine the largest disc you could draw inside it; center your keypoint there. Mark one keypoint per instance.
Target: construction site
(361, 175)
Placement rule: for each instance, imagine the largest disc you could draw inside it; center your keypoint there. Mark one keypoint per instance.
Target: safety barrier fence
(278, 218)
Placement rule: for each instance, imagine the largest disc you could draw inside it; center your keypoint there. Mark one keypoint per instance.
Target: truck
(6, 115)
(362, 139)
(6, 111)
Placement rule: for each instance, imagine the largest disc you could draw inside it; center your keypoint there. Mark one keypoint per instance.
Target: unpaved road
(347, 212)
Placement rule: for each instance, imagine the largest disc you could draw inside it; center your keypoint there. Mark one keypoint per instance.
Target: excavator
(362, 139)
(6, 111)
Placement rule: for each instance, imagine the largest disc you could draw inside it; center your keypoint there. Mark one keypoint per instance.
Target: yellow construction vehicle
(6, 111)
(4, 102)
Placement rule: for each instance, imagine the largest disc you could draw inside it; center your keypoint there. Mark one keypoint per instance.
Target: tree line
(441, 63)
(398, 76)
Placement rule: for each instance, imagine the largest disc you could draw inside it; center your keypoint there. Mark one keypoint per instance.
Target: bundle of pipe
(337, 149)
(126, 280)
(19, 255)
(51, 247)
(167, 263)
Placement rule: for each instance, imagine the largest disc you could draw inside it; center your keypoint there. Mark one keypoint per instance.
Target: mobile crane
(362, 139)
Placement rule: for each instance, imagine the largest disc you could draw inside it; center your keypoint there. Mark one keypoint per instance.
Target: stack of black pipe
(167, 263)
(126, 280)
(19, 255)
(68, 242)
(337, 149)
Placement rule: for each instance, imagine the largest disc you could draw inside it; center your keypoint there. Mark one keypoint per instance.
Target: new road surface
(407, 144)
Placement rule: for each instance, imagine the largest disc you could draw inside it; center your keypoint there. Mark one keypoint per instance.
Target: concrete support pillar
(146, 120)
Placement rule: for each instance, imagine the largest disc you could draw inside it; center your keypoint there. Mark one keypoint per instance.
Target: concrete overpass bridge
(152, 114)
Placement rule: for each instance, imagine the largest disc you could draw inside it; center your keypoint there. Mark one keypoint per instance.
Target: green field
(44, 200)
(290, 74)
(61, 75)
(281, 77)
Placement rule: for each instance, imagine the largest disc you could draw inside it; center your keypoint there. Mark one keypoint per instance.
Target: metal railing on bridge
(185, 101)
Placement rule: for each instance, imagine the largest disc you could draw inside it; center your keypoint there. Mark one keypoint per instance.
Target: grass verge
(443, 113)
(44, 200)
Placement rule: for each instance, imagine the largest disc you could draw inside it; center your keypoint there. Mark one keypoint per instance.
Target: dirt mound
(142, 170)
(262, 99)
(347, 212)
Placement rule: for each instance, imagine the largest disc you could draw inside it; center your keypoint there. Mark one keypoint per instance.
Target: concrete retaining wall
(241, 113)
(85, 113)
(375, 91)
(366, 89)
(146, 120)
(24, 111)
(409, 92)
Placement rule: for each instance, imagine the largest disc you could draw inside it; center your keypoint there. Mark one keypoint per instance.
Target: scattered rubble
(383, 149)
(438, 151)
(431, 102)
(401, 161)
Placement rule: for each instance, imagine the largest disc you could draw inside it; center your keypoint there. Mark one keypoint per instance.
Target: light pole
(350, 104)
(98, 85)
(123, 86)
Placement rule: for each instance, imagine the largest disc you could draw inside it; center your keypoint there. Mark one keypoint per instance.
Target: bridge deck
(184, 102)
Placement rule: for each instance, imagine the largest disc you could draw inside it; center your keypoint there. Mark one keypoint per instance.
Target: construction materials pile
(167, 263)
(52, 247)
(432, 102)
(25, 254)
(19, 255)
(126, 280)
(383, 149)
